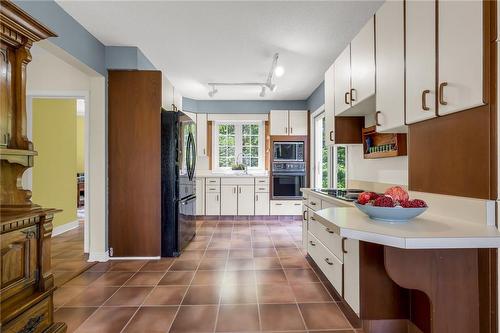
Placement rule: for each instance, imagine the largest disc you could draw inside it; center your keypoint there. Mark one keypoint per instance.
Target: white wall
(392, 170)
(53, 72)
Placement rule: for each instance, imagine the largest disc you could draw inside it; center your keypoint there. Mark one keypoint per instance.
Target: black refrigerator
(178, 182)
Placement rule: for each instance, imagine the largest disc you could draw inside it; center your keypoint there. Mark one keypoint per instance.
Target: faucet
(246, 168)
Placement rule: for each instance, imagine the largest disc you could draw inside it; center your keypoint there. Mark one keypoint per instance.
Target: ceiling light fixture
(275, 70)
(212, 92)
(263, 91)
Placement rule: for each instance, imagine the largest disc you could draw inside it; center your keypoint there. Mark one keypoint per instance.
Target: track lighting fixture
(263, 91)
(212, 92)
(275, 70)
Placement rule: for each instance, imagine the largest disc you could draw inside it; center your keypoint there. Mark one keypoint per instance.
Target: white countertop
(209, 173)
(419, 233)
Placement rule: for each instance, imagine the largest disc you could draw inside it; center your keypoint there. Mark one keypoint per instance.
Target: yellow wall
(80, 145)
(54, 171)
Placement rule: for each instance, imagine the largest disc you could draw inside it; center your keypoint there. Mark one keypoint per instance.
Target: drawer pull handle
(343, 245)
(312, 218)
(346, 98)
(353, 99)
(297, 204)
(327, 260)
(313, 203)
(261, 189)
(441, 98)
(304, 217)
(312, 243)
(32, 324)
(330, 231)
(331, 136)
(424, 104)
(278, 204)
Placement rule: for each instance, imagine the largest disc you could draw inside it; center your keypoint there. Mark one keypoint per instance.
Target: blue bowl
(390, 214)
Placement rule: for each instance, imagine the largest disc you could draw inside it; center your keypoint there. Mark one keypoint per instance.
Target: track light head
(272, 87)
(212, 92)
(263, 91)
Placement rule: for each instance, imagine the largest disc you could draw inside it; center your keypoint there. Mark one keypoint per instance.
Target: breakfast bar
(425, 275)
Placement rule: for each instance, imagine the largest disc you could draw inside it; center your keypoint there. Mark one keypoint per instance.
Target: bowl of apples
(394, 205)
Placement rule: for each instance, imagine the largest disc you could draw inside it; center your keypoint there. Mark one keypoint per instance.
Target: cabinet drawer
(286, 207)
(326, 261)
(40, 314)
(213, 189)
(261, 188)
(262, 180)
(329, 204)
(314, 203)
(213, 181)
(327, 236)
(237, 181)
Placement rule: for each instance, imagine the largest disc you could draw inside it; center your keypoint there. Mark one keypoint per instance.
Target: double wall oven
(288, 169)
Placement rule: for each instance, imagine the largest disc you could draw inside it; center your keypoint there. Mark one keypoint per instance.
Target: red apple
(397, 193)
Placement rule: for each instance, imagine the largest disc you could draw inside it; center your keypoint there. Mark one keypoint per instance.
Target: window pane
(255, 162)
(246, 129)
(246, 151)
(255, 129)
(226, 143)
(231, 152)
(255, 151)
(230, 129)
(341, 167)
(255, 140)
(324, 152)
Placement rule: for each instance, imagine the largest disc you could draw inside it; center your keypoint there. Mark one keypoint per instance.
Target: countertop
(209, 173)
(424, 232)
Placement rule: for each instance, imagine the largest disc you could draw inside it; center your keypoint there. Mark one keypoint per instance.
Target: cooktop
(348, 194)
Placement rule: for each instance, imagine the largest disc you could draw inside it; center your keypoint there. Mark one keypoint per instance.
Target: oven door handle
(289, 174)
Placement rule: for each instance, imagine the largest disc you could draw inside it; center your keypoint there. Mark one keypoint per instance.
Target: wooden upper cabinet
(329, 106)
(390, 67)
(342, 79)
(279, 122)
(460, 70)
(363, 64)
(420, 60)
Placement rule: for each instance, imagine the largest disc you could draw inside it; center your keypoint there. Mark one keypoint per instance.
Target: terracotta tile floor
(68, 259)
(236, 276)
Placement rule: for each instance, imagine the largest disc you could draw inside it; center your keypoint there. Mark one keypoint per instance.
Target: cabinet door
(201, 134)
(261, 203)
(329, 107)
(390, 67)
(351, 273)
(460, 76)
(200, 196)
(342, 79)
(246, 200)
(298, 122)
(228, 200)
(420, 60)
(363, 64)
(279, 122)
(212, 204)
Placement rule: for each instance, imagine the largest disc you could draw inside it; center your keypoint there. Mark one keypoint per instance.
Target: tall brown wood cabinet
(27, 283)
(134, 125)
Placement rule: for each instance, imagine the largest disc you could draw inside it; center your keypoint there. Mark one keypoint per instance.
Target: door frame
(28, 179)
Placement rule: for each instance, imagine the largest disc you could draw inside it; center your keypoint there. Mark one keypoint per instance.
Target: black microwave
(288, 151)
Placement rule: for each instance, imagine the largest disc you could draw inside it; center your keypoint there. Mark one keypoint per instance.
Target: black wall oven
(288, 178)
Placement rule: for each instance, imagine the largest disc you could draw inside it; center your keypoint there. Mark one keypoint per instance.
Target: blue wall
(317, 98)
(126, 57)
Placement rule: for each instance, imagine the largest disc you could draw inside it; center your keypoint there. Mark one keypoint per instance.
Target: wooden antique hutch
(27, 283)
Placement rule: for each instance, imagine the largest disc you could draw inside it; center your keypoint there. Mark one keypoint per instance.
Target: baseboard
(135, 258)
(98, 256)
(60, 229)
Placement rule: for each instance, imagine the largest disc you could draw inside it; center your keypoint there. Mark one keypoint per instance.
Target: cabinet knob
(441, 98)
(424, 103)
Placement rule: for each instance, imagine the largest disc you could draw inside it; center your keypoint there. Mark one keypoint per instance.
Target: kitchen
(266, 216)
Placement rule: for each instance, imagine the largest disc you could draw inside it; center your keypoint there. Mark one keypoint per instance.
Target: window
(238, 142)
(340, 153)
(321, 153)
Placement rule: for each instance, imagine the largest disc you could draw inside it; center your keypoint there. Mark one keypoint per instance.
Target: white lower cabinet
(229, 200)
(262, 203)
(246, 201)
(200, 196)
(212, 203)
(351, 273)
(329, 264)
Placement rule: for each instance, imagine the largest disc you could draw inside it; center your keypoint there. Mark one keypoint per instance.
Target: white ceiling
(194, 43)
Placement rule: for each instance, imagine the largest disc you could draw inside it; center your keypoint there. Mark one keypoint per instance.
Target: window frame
(238, 147)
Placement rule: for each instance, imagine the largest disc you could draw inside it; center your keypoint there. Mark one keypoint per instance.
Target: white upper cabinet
(285, 122)
(363, 64)
(460, 70)
(329, 106)
(390, 67)
(420, 60)
(279, 122)
(246, 200)
(201, 134)
(342, 79)
(297, 122)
